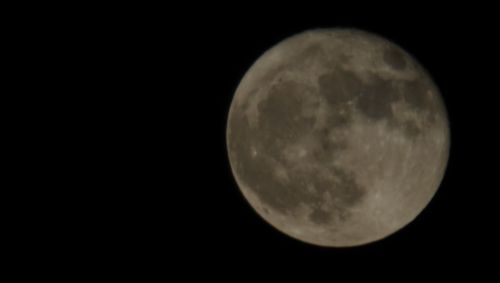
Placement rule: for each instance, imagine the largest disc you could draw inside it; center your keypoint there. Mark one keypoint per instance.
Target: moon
(337, 137)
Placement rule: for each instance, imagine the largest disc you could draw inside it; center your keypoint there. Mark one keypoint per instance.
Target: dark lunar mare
(280, 124)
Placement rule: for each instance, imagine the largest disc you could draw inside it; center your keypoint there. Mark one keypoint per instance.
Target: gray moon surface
(337, 137)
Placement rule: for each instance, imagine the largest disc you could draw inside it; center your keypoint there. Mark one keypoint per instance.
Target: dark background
(139, 97)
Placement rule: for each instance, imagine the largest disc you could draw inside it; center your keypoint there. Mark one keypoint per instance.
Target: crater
(411, 129)
(394, 57)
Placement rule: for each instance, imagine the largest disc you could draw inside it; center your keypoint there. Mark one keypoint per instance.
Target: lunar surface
(337, 137)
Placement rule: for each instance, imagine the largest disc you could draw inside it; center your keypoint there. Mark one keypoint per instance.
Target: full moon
(337, 137)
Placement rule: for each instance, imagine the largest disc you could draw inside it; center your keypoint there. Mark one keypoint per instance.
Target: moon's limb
(337, 137)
